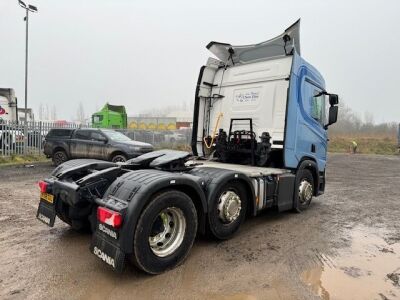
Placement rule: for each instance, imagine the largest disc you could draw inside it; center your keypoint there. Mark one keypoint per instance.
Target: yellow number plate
(47, 197)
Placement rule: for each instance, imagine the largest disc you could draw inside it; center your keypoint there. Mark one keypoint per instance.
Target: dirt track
(346, 246)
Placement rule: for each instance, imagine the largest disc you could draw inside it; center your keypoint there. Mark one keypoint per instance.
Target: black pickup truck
(105, 144)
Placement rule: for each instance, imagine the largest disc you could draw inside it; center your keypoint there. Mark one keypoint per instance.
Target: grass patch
(371, 144)
(366, 144)
(22, 159)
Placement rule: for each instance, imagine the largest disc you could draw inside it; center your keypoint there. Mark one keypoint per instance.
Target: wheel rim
(305, 191)
(119, 159)
(229, 207)
(167, 232)
(59, 158)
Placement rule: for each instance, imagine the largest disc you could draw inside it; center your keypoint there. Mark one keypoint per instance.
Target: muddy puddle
(369, 269)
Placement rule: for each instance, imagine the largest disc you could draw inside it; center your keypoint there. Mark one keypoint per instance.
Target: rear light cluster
(109, 217)
(43, 186)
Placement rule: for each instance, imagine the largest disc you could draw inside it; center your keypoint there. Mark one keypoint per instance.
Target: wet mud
(345, 246)
(367, 269)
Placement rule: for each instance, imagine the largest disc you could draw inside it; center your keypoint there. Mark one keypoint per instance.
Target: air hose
(208, 146)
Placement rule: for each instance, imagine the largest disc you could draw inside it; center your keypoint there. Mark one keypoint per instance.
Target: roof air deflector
(274, 47)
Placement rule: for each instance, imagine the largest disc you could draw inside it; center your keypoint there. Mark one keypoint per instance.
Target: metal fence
(160, 139)
(28, 138)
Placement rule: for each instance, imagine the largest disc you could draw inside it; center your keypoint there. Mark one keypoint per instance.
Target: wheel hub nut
(305, 191)
(229, 207)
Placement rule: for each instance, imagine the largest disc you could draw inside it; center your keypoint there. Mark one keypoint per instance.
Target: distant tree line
(350, 122)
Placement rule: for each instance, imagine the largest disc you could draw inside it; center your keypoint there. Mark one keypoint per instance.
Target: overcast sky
(146, 54)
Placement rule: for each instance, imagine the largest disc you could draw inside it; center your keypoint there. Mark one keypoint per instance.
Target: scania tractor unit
(259, 140)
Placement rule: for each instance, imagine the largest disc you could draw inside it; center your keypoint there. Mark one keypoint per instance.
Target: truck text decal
(108, 231)
(44, 218)
(107, 259)
(247, 97)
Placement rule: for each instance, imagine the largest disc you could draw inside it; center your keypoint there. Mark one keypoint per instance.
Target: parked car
(106, 144)
(175, 137)
(10, 137)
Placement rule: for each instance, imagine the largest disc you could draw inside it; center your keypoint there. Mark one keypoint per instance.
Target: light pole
(28, 8)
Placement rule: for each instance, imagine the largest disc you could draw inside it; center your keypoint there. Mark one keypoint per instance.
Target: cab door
(313, 136)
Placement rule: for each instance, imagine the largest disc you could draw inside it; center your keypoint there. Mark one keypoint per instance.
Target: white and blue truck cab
(259, 140)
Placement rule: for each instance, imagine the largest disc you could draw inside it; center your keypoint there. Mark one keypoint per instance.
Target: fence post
(25, 137)
(40, 138)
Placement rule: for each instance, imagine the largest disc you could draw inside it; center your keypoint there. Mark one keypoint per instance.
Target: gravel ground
(345, 246)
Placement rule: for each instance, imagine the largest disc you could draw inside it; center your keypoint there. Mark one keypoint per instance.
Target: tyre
(304, 190)
(164, 233)
(119, 158)
(59, 157)
(227, 210)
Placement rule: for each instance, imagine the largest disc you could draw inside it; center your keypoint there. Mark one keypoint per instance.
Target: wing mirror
(333, 99)
(333, 114)
(333, 109)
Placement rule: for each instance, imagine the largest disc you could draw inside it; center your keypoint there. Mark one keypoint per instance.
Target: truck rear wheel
(165, 232)
(227, 210)
(304, 190)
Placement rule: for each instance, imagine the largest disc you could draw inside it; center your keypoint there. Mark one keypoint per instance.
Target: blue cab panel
(305, 136)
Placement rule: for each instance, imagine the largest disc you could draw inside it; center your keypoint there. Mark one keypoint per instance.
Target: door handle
(313, 148)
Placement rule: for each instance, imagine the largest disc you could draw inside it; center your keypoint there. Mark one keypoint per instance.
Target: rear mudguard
(131, 192)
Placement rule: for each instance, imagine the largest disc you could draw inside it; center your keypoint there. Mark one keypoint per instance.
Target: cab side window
(318, 107)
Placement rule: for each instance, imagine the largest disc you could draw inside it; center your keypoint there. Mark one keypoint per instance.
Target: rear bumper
(108, 252)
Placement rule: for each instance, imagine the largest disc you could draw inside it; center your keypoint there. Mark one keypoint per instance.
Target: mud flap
(285, 191)
(46, 213)
(108, 252)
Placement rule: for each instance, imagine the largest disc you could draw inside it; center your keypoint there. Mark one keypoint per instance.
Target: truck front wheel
(165, 232)
(304, 190)
(227, 210)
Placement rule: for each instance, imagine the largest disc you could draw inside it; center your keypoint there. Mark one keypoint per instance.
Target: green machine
(110, 116)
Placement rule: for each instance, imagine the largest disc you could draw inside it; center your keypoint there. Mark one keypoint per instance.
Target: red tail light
(109, 217)
(43, 186)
